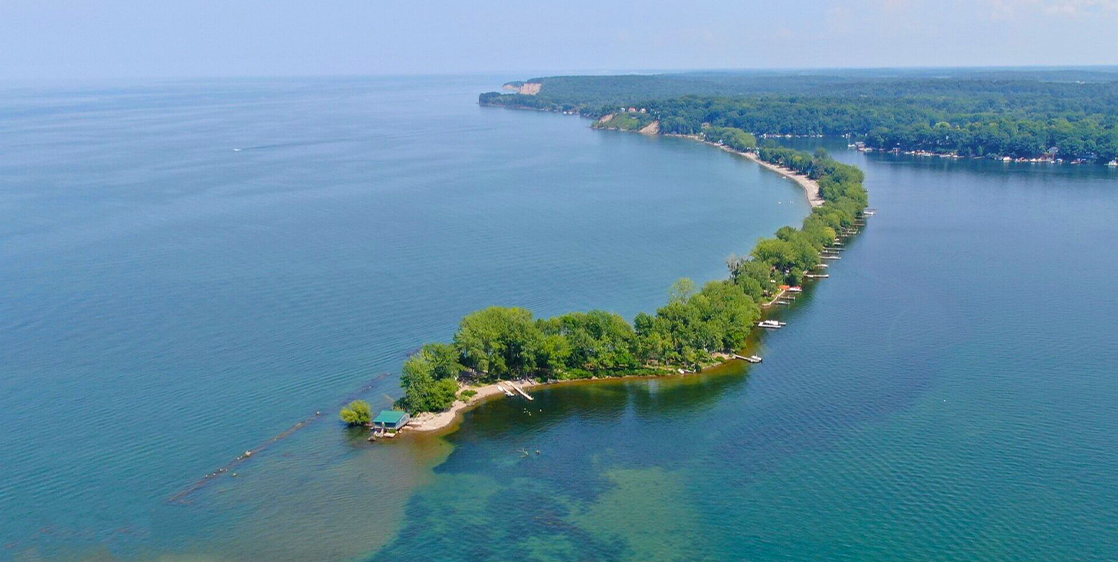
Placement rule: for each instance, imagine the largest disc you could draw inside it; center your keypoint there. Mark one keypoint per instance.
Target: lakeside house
(390, 420)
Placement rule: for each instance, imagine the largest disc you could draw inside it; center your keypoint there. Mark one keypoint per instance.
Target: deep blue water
(948, 394)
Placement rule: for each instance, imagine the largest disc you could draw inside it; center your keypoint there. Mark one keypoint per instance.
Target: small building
(390, 420)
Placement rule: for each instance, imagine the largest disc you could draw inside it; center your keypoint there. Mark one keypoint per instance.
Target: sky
(96, 39)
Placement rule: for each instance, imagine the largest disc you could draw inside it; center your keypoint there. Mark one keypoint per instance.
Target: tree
(424, 389)
(730, 314)
(595, 340)
(444, 359)
(498, 341)
(775, 251)
(681, 290)
(357, 412)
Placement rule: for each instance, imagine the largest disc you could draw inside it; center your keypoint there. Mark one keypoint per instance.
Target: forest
(1066, 115)
(499, 342)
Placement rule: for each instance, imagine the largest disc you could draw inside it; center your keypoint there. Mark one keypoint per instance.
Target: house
(390, 420)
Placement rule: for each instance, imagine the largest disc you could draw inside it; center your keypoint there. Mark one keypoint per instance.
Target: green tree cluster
(499, 343)
(731, 137)
(430, 378)
(357, 412)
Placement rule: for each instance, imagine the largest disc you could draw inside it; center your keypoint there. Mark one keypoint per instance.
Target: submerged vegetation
(1066, 115)
(498, 343)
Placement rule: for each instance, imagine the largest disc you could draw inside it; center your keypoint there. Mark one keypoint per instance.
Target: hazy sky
(133, 38)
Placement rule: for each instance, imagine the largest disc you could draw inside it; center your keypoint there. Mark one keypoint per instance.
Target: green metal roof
(389, 417)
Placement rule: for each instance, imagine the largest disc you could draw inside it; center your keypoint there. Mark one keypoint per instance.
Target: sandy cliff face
(529, 88)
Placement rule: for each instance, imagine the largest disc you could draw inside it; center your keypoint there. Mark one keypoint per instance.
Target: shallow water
(189, 269)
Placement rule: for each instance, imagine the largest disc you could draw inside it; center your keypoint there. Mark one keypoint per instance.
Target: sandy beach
(428, 422)
(811, 187)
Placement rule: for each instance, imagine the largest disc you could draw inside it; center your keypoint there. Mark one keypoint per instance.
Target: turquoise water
(189, 269)
(948, 394)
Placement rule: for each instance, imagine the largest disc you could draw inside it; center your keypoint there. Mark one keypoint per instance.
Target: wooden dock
(521, 391)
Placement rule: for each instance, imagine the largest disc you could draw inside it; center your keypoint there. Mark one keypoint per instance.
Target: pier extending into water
(521, 391)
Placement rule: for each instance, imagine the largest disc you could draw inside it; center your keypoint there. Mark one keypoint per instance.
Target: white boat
(795, 289)
(771, 324)
(1112, 163)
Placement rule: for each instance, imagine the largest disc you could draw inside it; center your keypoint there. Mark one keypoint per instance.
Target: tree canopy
(1020, 114)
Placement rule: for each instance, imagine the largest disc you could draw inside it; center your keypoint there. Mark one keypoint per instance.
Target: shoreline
(439, 423)
(810, 186)
(430, 422)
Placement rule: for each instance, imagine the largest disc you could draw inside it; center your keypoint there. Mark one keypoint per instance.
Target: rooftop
(389, 416)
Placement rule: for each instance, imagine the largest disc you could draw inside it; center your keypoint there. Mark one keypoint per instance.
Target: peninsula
(498, 347)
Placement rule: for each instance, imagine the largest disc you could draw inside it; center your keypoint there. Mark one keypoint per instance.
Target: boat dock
(816, 276)
(505, 390)
(521, 391)
(751, 358)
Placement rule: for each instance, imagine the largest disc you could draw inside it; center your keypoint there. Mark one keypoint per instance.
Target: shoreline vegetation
(698, 328)
(1020, 116)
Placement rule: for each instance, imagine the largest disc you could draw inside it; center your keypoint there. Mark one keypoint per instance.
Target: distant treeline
(1018, 114)
(498, 343)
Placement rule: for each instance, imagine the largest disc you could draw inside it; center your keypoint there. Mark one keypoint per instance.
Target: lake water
(190, 269)
(170, 302)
